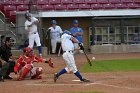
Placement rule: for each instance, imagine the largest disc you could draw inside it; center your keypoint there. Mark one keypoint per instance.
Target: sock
(40, 49)
(79, 75)
(61, 72)
(24, 72)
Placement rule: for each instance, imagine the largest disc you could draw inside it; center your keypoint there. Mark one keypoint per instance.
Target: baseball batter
(24, 67)
(68, 48)
(31, 27)
(55, 32)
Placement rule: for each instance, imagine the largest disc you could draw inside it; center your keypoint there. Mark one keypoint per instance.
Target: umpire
(6, 60)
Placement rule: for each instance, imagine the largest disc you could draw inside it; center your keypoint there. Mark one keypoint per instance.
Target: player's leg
(36, 72)
(71, 64)
(25, 70)
(63, 71)
(3, 71)
(31, 40)
(37, 41)
(53, 44)
(10, 69)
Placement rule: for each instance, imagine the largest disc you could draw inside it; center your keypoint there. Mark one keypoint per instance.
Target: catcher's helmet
(75, 22)
(53, 22)
(27, 50)
(27, 14)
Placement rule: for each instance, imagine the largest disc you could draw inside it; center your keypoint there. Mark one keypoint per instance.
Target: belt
(68, 51)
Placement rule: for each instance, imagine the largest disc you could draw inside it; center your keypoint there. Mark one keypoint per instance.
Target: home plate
(76, 80)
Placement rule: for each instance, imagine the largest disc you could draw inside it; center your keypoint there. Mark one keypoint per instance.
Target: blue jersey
(73, 30)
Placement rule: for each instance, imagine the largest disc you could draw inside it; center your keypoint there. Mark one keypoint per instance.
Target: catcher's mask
(28, 51)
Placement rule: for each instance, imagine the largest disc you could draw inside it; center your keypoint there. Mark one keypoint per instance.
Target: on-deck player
(31, 27)
(55, 32)
(68, 48)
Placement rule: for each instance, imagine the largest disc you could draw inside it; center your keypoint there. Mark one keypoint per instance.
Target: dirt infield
(109, 82)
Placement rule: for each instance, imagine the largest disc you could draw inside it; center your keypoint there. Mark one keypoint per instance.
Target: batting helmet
(53, 22)
(67, 32)
(75, 22)
(27, 14)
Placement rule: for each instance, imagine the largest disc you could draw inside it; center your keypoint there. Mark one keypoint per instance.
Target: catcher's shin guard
(38, 72)
(25, 72)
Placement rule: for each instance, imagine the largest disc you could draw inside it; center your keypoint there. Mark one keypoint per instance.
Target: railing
(2, 16)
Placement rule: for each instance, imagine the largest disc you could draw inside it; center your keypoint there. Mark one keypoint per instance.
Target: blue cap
(66, 32)
(53, 22)
(75, 22)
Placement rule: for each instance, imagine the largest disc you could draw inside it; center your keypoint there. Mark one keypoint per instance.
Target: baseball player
(55, 32)
(68, 48)
(77, 32)
(24, 67)
(31, 27)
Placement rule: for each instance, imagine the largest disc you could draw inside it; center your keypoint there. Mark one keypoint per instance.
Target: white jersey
(66, 42)
(33, 28)
(55, 32)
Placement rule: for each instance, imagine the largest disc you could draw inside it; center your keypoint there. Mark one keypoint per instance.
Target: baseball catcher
(24, 67)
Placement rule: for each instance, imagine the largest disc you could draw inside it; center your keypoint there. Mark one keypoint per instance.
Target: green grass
(113, 65)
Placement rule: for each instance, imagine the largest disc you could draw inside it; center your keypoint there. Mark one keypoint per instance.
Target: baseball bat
(88, 60)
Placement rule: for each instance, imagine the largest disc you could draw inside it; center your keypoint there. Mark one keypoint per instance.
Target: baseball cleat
(85, 80)
(55, 77)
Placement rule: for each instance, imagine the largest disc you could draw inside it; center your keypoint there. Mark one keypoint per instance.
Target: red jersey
(24, 60)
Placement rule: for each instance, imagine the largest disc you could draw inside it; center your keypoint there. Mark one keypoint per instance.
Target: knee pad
(29, 66)
(39, 70)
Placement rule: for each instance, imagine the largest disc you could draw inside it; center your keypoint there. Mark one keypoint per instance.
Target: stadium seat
(32, 2)
(54, 2)
(35, 7)
(137, 1)
(91, 1)
(109, 6)
(13, 16)
(127, 1)
(72, 7)
(103, 1)
(121, 6)
(18, 3)
(133, 6)
(114, 1)
(60, 7)
(84, 6)
(6, 2)
(47, 7)
(22, 8)
(97, 6)
(66, 1)
(79, 1)
(42, 2)
(9, 8)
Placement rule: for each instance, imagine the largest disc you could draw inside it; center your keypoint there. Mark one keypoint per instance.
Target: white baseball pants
(34, 38)
(70, 61)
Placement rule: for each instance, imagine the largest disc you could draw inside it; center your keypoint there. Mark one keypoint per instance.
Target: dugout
(105, 31)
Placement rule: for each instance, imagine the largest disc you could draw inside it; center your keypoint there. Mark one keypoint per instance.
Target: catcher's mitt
(50, 63)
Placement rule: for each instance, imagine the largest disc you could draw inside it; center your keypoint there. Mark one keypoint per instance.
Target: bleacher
(10, 7)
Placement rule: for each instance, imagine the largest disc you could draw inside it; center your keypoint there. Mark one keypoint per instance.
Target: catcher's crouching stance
(24, 67)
